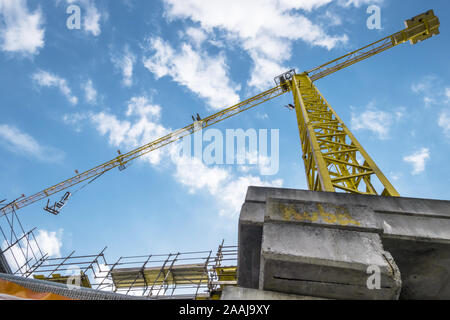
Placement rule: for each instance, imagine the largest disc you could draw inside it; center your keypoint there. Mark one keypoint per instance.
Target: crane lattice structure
(334, 161)
(332, 155)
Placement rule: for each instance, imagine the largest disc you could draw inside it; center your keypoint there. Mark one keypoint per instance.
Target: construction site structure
(182, 275)
(281, 232)
(330, 151)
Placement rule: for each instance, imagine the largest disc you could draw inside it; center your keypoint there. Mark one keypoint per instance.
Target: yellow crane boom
(419, 28)
(330, 151)
(122, 160)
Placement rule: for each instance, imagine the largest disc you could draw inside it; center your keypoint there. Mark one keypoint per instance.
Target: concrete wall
(416, 232)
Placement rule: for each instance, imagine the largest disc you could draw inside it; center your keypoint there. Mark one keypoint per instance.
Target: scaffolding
(20, 253)
(182, 275)
(72, 270)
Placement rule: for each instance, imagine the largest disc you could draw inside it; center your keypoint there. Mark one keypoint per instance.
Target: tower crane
(334, 160)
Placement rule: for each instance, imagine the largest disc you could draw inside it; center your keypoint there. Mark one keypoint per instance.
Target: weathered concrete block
(249, 238)
(324, 250)
(325, 214)
(425, 268)
(412, 230)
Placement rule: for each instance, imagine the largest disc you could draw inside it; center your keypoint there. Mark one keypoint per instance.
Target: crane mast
(332, 155)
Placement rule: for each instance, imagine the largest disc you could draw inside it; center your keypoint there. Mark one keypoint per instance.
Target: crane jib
(417, 29)
(143, 150)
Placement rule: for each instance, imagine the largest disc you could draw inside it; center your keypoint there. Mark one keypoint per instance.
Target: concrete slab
(238, 293)
(329, 263)
(415, 228)
(252, 213)
(410, 228)
(249, 255)
(425, 268)
(249, 237)
(409, 206)
(324, 214)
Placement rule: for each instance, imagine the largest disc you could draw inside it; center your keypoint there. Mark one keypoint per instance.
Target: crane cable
(88, 183)
(71, 194)
(95, 178)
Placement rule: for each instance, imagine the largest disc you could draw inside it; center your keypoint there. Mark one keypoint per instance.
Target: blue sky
(136, 70)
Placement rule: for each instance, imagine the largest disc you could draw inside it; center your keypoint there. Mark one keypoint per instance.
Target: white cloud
(359, 3)
(435, 93)
(125, 63)
(92, 20)
(307, 5)
(423, 86)
(227, 189)
(444, 122)
(196, 35)
(128, 4)
(46, 79)
(90, 92)
(204, 75)
(91, 16)
(48, 242)
(192, 173)
(108, 124)
(141, 106)
(262, 116)
(232, 195)
(427, 88)
(20, 30)
(428, 101)
(263, 70)
(265, 29)
(75, 120)
(332, 18)
(267, 17)
(418, 160)
(19, 142)
(15, 257)
(374, 120)
(141, 126)
(257, 162)
(395, 176)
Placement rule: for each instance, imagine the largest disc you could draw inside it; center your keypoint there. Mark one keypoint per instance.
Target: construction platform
(332, 245)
